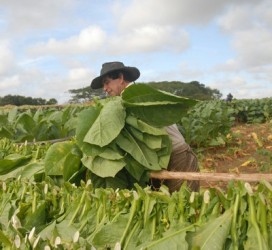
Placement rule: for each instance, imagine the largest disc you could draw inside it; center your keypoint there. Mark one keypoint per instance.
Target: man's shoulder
(175, 134)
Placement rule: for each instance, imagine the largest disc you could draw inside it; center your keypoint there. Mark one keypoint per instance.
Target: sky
(49, 47)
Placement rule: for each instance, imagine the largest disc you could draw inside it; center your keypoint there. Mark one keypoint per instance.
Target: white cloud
(89, 39)
(59, 86)
(94, 39)
(149, 39)
(7, 58)
(241, 87)
(6, 83)
(22, 82)
(237, 18)
(254, 46)
(230, 65)
(165, 12)
(189, 73)
(29, 14)
(37, 84)
(183, 72)
(78, 74)
(250, 28)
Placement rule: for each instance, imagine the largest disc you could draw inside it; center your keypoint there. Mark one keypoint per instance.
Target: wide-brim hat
(108, 67)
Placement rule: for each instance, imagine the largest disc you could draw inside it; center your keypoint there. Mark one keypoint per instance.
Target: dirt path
(249, 150)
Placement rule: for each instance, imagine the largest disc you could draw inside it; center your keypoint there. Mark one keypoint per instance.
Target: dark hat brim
(133, 72)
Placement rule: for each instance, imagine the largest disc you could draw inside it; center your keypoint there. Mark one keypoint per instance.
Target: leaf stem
(133, 210)
(233, 223)
(78, 207)
(253, 220)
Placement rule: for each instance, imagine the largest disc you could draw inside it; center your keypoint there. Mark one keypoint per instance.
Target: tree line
(19, 100)
(193, 89)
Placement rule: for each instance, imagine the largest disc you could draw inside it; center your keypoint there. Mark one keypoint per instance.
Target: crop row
(205, 124)
(39, 215)
(48, 201)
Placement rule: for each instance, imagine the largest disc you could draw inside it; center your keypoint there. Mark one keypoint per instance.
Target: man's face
(113, 87)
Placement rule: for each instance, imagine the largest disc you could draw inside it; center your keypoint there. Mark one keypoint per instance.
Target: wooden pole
(255, 177)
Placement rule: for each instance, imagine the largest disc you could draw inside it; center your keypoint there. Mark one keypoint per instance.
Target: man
(114, 78)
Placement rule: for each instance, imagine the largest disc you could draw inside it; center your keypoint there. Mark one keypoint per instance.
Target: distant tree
(39, 101)
(229, 97)
(85, 94)
(192, 89)
(52, 101)
(22, 100)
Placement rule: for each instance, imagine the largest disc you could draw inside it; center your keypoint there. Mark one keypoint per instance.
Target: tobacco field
(76, 176)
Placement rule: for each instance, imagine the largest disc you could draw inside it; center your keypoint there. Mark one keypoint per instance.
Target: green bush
(207, 124)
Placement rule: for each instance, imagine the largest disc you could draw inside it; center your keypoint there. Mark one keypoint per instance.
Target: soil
(248, 150)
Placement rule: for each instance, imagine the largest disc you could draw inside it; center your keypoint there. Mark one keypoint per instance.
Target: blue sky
(48, 47)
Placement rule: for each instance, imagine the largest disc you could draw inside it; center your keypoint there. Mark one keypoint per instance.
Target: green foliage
(212, 235)
(23, 160)
(35, 215)
(85, 94)
(193, 90)
(155, 107)
(63, 159)
(38, 125)
(103, 132)
(252, 110)
(122, 137)
(207, 123)
(22, 100)
(39, 207)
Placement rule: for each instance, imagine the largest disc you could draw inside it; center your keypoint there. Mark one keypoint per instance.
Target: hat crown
(111, 66)
(132, 73)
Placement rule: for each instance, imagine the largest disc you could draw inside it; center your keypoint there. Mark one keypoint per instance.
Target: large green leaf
(72, 163)
(213, 234)
(62, 229)
(253, 242)
(39, 115)
(13, 115)
(3, 120)
(85, 120)
(134, 168)
(138, 150)
(37, 218)
(143, 93)
(6, 132)
(120, 180)
(103, 167)
(164, 154)
(11, 162)
(110, 152)
(25, 124)
(144, 127)
(111, 233)
(153, 142)
(159, 115)
(5, 240)
(108, 124)
(172, 239)
(27, 171)
(155, 107)
(62, 159)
